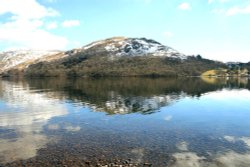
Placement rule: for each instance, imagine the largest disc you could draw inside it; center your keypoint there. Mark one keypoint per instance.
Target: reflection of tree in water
(127, 95)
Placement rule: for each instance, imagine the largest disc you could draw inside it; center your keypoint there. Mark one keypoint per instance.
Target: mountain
(14, 59)
(121, 46)
(118, 56)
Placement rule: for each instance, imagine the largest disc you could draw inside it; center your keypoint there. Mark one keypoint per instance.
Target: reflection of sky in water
(26, 113)
(215, 115)
(207, 131)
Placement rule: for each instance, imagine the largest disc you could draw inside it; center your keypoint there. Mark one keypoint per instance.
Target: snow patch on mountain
(113, 47)
(121, 46)
(10, 59)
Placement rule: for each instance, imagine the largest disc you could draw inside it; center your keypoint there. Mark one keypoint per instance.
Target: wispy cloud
(71, 23)
(184, 6)
(26, 9)
(237, 10)
(233, 11)
(26, 25)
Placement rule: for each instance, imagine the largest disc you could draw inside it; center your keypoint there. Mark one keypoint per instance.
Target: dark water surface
(188, 122)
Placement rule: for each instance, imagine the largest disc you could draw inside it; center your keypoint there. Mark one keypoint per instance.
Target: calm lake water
(188, 122)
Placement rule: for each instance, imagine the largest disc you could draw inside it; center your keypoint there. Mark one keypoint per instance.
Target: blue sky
(216, 29)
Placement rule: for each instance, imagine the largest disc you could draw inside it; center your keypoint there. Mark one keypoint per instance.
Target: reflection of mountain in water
(128, 95)
(123, 105)
(28, 106)
(23, 116)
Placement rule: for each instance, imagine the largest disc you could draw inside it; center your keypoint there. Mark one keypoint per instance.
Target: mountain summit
(122, 46)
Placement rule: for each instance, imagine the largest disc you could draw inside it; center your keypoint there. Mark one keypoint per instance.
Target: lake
(185, 122)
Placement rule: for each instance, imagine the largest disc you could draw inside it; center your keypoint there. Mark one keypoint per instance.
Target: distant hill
(12, 59)
(117, 56)
(227, 72)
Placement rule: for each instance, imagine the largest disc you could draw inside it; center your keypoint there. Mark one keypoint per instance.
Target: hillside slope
(118, 56)
(22, 58)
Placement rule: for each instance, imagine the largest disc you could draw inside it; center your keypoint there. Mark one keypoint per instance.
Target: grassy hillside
(83, 65)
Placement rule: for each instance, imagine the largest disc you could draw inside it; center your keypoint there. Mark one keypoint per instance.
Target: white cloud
(29, 34)
(237, 10)
(25, 9)
(168, 34)
(52, 25)
(71, 23)
(233, 11)
(184, 6)
(26, 26)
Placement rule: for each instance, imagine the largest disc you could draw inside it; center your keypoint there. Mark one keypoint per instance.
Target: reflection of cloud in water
(226, 159)
(72, 128)
(53, 127)
(246, 140)
(29, 112)
(23, 147)
(68, 128)
(234, 139)
(240, 95)
(233, 159)
(187, 159)
(230, 138)
(182, 146)
(168, 118)
(125, 105)
(139, 154)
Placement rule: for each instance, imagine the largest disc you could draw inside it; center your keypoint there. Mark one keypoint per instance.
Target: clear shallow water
(163, 122)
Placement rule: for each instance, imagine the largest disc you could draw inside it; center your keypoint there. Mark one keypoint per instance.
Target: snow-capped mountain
(114, 48)
(11, 59)
(122, 46)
